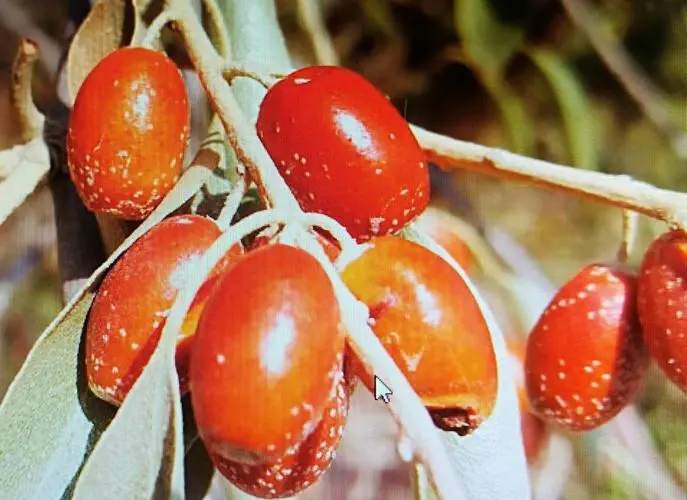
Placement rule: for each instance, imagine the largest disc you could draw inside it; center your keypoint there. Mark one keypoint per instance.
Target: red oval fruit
(585, 358)
(431, 325)
(127, 132)
(132, 303)
(268, 347)
(534, 429)
(303, 464)
(344, 150)
(662, 304)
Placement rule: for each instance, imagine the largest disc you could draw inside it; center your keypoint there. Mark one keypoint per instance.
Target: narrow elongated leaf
(491, 461)
(49, 421)
(488, 43)
(110, 24)
(573, 103)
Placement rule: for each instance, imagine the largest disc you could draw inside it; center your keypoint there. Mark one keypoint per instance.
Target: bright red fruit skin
(431, 325)
(127, 133)
(662, 304)
(268, 347)
(344, 150)
(129, 311)
(303, 464)
(585, 357)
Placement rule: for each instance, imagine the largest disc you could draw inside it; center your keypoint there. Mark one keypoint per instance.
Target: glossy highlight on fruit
(431, 325)
(127, 133)
(585, 357)
(662, 304)
(344, 150)
(303, 464)
(129, 311)
(268, 348)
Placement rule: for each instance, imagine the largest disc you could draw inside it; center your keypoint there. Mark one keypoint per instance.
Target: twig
(616, 190)
(29, 119)
(629, 235)
(310, 17)
(650, 99)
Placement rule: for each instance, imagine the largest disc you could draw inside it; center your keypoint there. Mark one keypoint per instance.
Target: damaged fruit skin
(271, 327)
(303, 464)
(130, 308)
(127, 133)
(428, 320)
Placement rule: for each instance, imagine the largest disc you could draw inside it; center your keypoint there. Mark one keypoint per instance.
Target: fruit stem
(152, 35)
(616, 190)
(346, 241)
(232, 203)
(28, 118)
(629, 235)
(240, 133)
(230, 72)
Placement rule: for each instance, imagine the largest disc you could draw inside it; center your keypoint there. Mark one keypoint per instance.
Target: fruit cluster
(588, 354)
(262, 349)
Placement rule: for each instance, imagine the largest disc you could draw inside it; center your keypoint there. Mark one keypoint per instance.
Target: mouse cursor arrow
(382, 390)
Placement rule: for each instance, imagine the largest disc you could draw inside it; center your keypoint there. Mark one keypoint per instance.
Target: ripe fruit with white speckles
(585, 357)
(431, 325)
(268, 348)
(303, 464)
(344, 150)
(132, 303)
(662, 304)
(127, 133)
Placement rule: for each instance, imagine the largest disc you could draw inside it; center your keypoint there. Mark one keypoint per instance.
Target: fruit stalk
(616, 190)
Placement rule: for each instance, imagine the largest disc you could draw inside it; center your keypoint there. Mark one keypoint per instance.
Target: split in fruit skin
(428, 320)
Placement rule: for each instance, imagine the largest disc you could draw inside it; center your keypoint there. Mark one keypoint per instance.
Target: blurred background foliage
(513, 74)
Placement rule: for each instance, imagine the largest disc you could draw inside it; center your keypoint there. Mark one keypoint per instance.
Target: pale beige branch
(616, 190)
